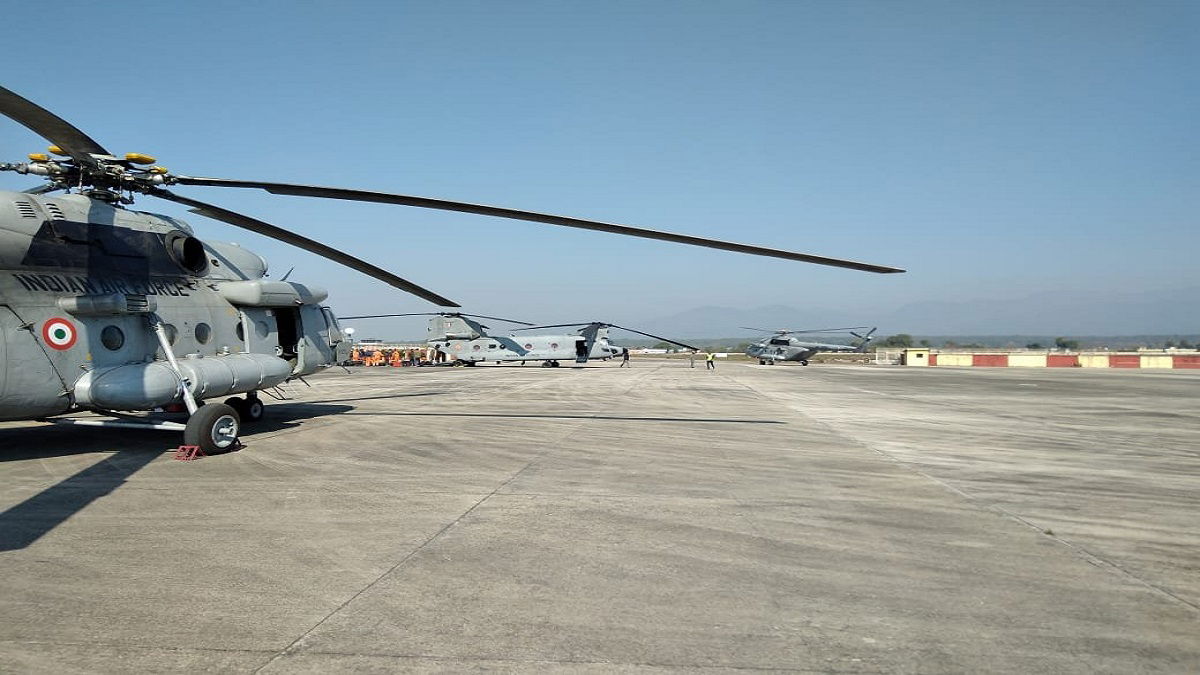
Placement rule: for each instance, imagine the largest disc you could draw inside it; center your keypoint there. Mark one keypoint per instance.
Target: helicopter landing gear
(214, 428)
(250, 409)
(549, 364)
(762, 362)
(804, 362)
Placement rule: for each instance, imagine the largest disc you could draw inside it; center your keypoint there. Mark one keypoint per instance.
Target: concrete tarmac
(823, 519)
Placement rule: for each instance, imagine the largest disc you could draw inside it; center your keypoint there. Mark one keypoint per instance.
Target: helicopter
(455, 336)
(590, 342)
(116, 311)
(781, 346)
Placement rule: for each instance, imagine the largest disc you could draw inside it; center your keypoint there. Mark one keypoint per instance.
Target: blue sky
(996, 150)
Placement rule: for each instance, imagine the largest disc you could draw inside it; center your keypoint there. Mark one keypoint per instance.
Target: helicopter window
(241, 332)
(172, 333)
(203, 333)
(112, 338)
(553, 345)
(780, 341)
(475, 347)
(528, 345)
(491, 346)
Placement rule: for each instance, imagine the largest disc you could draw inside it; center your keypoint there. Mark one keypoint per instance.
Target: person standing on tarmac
(710, 364)
(624, 356)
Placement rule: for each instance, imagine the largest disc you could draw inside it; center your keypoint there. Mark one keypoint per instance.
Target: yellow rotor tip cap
(138, 158)
(158, 169)
(39, 157)
(55, 150)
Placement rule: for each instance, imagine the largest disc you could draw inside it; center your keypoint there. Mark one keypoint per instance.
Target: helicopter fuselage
(92, 297)
(465, 340)
(785, 348)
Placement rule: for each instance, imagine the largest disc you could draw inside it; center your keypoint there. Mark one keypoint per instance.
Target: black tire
(250, 409)
(804, 362)
(554, 364)
(214, 428)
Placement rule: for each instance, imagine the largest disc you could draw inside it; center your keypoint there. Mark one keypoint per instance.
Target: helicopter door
(288, 321)
(314, 347)
(29, 384)
(581, 349)
(337, 340)
(3, 359)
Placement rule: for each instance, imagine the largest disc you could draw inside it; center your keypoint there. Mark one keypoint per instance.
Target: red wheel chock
(188, 453)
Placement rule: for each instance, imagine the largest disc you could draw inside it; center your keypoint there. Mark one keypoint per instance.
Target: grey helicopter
(783, 346)
(456, 337)
(122, 312)
(460, 340)
(590, 342)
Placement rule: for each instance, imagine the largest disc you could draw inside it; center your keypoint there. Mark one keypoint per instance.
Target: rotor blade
(41, 189)
(656, 337)
(579, 324)
(496, 318)
(501, 212)
(268, 230)
(386, 316)
(477, 316)
(761, 330)
(829, 330)
(50, 127)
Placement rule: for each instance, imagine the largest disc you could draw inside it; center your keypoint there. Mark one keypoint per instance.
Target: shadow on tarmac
(571, 417)
(25, 523)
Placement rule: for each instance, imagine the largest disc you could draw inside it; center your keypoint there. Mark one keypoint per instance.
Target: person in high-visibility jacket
(708, 360)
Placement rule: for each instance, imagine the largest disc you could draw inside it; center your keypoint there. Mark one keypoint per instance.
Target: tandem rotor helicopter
(782, 346)
(116, 311)
(466, 342)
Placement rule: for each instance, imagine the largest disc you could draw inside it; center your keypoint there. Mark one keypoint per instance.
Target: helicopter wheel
(804, 362)
(554, 364)
(250, 409)
(214, 428)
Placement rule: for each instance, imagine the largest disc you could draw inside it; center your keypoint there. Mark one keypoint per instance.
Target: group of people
(387, 357)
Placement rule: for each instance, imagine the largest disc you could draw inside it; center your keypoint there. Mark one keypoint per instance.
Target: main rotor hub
(106, 176)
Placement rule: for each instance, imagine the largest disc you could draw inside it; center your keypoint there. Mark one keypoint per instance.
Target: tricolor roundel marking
(59, 333)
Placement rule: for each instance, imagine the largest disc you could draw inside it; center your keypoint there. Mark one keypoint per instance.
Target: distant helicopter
(464, 341)
(456, 336)
(111, 310)
(781, 346)
(590, 342)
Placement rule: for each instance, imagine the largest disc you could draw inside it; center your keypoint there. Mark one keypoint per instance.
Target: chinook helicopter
(781, 346)
(466, 342)
(590, 342)
(116, 311)
(453, 334)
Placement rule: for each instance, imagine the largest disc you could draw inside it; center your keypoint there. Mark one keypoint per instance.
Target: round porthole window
(203, 333)
(528, 345)
(172, 333)
(553, 345)
(475, 347)
(112, 338)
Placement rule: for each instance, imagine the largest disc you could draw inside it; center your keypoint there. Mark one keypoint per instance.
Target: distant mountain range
(1176, 313)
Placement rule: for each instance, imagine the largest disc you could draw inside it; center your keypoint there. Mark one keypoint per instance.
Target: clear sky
(994, 149)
